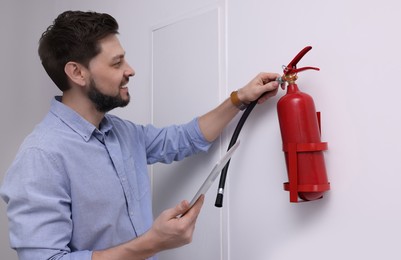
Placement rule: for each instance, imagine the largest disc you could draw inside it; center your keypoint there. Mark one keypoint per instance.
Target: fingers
(195, 209)
(272, 85)
(178, 210)
(182, 209)
(268, 76)
(170, 231)
(267, 95)
(265, 83)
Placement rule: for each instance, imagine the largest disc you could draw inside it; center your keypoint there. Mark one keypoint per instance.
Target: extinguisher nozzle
(219, 200)
(280, 80)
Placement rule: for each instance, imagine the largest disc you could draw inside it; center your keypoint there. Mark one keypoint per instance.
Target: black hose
(223, 176)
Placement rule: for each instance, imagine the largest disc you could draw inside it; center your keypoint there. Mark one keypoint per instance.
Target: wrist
(150, 244)
(237, 100)
(141, 247)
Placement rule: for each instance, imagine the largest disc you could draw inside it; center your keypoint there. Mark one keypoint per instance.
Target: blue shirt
(74, 188)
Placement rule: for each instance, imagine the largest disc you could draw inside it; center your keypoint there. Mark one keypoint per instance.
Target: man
(79, 187)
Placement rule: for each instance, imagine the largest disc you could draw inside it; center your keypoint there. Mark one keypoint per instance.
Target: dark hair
(73, 36)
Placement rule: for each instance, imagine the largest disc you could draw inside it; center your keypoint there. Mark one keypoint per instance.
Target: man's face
(109, 76)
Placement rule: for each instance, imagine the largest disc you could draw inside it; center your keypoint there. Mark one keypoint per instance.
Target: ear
(76, 73)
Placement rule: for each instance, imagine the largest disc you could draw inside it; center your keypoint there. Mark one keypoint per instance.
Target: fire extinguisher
(300, 133)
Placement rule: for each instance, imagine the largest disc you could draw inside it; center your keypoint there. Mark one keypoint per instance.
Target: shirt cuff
(200, 141)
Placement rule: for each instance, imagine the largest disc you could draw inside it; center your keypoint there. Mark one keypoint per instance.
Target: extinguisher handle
(292, 71)
(291, 68)
(298, 57)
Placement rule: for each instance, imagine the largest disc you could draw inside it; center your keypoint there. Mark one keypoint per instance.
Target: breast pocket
(138, 177)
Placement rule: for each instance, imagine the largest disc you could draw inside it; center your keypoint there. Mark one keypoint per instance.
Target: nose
(129, 71)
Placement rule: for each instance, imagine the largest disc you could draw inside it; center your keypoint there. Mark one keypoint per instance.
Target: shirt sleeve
(174, 143)
(38, 207)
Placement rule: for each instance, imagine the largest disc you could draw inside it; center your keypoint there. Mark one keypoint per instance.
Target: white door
(188, 71)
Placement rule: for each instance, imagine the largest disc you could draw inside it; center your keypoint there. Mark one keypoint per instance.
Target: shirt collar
(76, 122)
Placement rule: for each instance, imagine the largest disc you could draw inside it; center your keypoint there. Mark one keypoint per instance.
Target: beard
(104, 103)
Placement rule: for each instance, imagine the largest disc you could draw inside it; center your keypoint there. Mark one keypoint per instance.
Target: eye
(117, 64)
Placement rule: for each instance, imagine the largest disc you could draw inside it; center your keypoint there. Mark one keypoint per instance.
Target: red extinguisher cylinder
(300, 127)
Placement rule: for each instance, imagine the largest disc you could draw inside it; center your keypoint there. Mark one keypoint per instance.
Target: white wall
(356, 45)
(25, 89)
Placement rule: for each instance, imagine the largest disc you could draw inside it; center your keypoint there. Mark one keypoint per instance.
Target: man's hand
(264, 82)
(170, 231)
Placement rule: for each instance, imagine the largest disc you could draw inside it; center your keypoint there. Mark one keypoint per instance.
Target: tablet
(214, 173)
